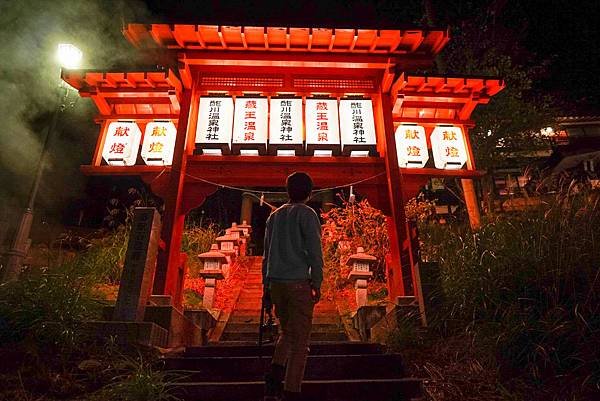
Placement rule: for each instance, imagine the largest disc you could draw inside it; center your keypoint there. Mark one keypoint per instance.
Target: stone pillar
(472, 203)
(140, 264)
(361, 292)
(247, 204)
(210, 286)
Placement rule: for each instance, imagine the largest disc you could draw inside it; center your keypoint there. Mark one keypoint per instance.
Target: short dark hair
(299, 186)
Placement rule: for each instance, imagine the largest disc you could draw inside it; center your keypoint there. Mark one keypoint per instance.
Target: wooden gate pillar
(401, 255)
(169, 261)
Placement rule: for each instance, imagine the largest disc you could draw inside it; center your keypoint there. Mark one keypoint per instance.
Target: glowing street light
(68, 56)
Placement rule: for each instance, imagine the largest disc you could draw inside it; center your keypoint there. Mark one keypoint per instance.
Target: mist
(30, 31)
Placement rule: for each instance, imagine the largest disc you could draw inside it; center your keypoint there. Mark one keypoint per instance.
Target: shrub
(140, 381)
(528, 285)
(103, 261)
(47, 306)
(196, 240)
(348, 227)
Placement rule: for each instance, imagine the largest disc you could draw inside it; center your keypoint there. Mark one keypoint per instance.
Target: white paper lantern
(357, 127)
(250, 126)
(122, 143)
(159, 142)
(322, 127)
(286, 137)
(449, 147)
(215, 122)
(411, 146)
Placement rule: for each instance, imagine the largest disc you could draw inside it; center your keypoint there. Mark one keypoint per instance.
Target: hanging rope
(254, 191)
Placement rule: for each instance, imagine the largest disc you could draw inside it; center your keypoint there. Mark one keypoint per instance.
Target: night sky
(560, 35)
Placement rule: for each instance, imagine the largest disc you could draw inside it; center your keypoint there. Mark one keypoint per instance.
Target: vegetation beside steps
(516, 312)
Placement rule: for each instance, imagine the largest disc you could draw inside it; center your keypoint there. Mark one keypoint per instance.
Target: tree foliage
(484, 44)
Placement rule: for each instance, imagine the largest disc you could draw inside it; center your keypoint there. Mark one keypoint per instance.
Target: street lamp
(68, 56)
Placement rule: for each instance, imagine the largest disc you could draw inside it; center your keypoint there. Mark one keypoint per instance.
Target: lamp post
(68, 56)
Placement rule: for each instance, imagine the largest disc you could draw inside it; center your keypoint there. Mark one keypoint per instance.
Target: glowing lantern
(322, 127)
(357, 127)
(411, 146)
(159, 141)
(250, 126)
(449, 148)
(285, 127)
(122, 143)
(215, 120)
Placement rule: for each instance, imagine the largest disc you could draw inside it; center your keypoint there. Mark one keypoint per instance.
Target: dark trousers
(294, 308)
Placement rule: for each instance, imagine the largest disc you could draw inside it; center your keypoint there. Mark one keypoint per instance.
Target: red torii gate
(271, 61)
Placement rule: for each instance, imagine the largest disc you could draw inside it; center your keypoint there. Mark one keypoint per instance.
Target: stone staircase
(242, 325)
(233, 368)
(345, 371)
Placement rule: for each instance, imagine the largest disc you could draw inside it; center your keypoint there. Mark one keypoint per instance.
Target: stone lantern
(212, 270)
(227, 244)
(244, 229)
(361, 272)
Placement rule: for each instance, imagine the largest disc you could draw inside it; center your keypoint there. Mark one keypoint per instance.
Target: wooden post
(472, 203)
(246, 212)
(397, 227)
(169, 259)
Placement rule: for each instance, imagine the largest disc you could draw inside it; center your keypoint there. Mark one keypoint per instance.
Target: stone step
(257, 292)
(318, 367)
(316, 348)
(331, 390)
(246, 312)
(253, 327)
(317, 319)
(314, 336)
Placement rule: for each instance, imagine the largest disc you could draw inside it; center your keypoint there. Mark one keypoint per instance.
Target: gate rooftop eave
(133, 94)
(423, 97)
(395, 42)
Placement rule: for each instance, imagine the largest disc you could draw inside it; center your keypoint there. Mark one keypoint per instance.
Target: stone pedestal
(205, 319)
(210, 286)
(360, 285)
(179, 329)
(365, 318)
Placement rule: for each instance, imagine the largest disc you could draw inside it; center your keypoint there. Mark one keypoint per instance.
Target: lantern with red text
(159, 141)
(411, 146)
(449, 148)
(250, 126)
(322, 127)
(122, 143)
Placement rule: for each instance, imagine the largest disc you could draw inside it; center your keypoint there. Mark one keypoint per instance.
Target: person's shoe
(274, 383)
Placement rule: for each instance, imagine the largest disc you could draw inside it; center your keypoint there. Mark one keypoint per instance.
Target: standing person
(292, 274)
